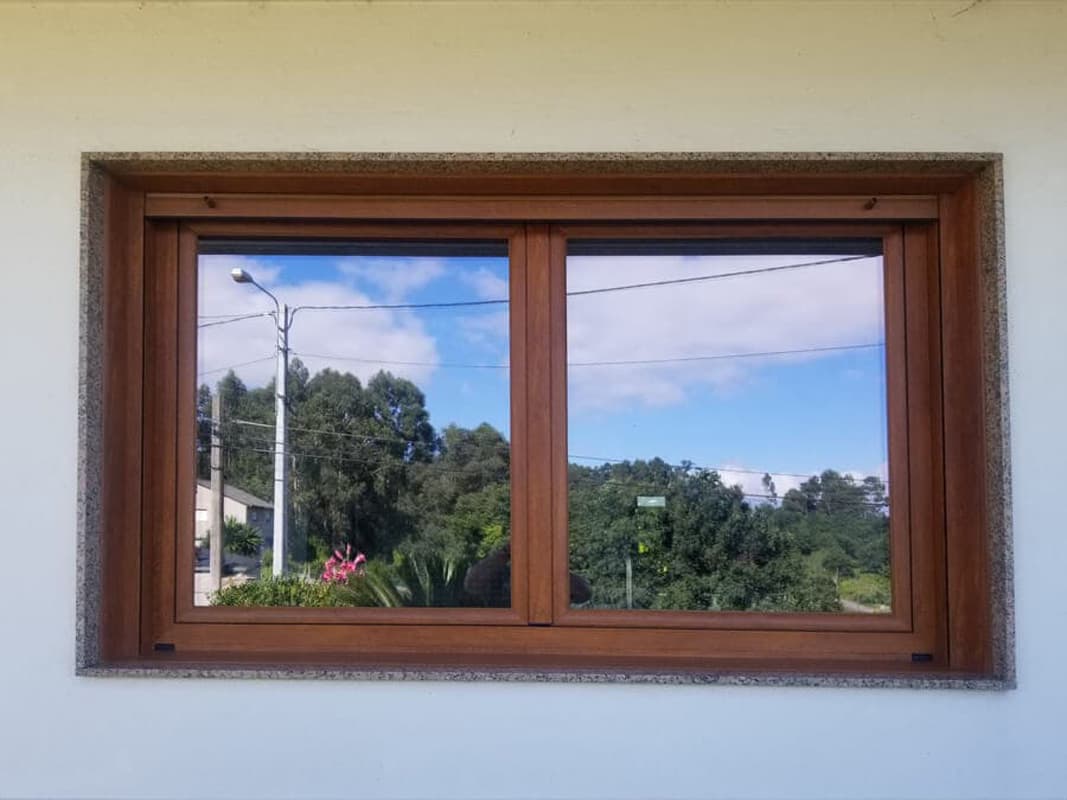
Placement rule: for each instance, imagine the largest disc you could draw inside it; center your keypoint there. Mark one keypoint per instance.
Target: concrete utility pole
(281, 458)
(283, 318)
(217, 519)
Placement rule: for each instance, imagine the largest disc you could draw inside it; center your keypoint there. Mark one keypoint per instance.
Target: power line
(659, 487)
(585, 292)
(575, 456)
(323, 455)
(704, 468)
(601, 459)
(402, 306)
(621, 362)
(269, 444)
(230, 316)
(446, 365)
(438, 467)
(326, 456)
(331, 433)
(724, 356)
(295, 454)
(716, 276)
(233, 318)
(235, 366)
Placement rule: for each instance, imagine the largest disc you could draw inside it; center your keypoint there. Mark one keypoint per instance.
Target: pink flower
(338, 567)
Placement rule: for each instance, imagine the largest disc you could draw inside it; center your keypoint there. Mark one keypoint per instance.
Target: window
(650, 417)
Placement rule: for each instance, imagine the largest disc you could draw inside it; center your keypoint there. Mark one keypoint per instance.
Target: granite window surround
(987, 169)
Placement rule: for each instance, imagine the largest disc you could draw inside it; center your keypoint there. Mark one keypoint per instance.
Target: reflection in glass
(393, 471)
(727, 434)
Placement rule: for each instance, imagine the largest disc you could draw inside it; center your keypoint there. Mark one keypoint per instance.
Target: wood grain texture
(557, 347)
(963, 392)
(521, 545)
(729, 229)
(160, 390)
(901, 529)
(288, 230)
(536, 207)
(429, 179)
(539, 423)
(123, 304)
(186, 425)
(571, 646)
(925, 431)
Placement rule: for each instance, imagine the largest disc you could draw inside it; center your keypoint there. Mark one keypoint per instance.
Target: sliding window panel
(352, 426)
(728, 428)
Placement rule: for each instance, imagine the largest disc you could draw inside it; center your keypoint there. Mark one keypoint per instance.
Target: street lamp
(283, 318)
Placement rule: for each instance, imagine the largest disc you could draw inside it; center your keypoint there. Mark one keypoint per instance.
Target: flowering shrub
(338, 567)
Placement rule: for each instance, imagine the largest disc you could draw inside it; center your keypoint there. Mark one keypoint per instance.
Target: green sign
(651, 502)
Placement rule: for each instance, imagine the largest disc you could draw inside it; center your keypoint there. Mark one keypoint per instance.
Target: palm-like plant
(411, 580)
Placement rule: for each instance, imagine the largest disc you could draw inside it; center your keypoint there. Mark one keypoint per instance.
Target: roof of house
(239, 495)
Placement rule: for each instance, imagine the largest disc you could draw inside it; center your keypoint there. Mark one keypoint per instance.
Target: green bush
(240, 538)
(410, 580)
(286, 591)
(867, 588)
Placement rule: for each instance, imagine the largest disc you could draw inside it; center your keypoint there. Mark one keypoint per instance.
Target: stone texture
(552, 676)
(90, 408)
(545, 162)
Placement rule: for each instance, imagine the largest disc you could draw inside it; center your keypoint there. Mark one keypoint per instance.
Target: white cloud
(751, 481)
(487, 330)
(824, 306)
(395, 277)
(487, 285)
(377, 334)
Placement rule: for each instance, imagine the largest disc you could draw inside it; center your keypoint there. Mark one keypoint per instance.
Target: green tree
(354, 449)
(462, 498)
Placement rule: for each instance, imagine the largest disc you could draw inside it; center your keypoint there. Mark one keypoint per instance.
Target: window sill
(828, 679)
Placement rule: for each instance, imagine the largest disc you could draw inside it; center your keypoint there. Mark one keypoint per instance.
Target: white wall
(511, 76)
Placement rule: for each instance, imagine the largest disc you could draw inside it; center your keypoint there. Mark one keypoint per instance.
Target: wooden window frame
(150, 218)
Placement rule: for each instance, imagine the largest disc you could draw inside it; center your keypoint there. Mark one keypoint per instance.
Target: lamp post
(283, 319)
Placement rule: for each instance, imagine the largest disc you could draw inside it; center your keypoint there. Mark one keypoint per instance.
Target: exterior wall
(954, 75)
(260, 517)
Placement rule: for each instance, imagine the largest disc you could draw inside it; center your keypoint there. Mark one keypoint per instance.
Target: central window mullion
(539, 426)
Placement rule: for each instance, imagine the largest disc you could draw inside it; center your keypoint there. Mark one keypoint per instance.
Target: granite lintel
(570, 162)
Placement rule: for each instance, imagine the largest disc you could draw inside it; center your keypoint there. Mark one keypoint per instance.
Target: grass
(867, 588)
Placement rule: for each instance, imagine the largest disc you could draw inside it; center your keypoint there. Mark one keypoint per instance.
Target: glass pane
(387, 460)
(727, 426)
